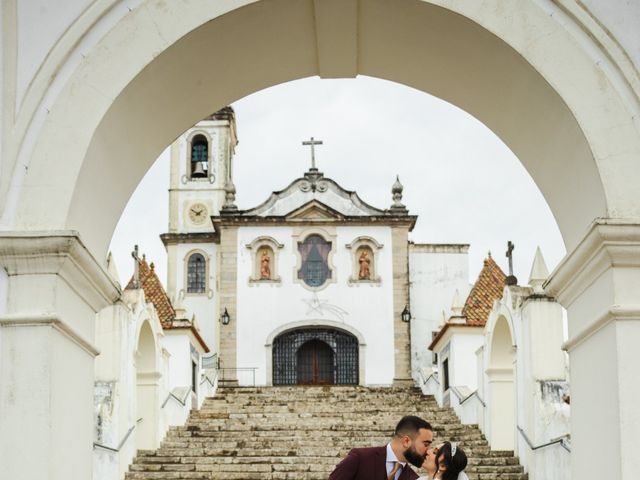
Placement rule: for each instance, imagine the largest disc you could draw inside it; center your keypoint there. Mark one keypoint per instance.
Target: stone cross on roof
(511, 279)
(136, 270)
(312, 143)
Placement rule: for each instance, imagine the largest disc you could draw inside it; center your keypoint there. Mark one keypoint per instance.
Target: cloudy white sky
(465, 185)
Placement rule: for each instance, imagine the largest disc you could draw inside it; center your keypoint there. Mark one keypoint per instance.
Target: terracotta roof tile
(487, 289)
(154, 292)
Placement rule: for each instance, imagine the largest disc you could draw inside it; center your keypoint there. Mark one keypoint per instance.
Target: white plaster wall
(202, 305)
(544, 330)
(263, 308)
(115, 370)
(621, 18)
(4, 292)
(178, 347)
(40, 24)
(462, 359)
(117, 330)
(434, 277)
(176, 344)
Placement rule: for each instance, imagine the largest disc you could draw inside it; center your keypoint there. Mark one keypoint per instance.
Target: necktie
(392, 474)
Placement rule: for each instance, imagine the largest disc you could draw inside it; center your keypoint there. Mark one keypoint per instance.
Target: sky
(462, 181)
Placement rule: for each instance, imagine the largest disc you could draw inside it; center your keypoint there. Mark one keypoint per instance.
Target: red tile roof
(154, 292)
(487, 289)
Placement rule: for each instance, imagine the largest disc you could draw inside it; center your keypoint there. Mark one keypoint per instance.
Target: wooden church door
(315, 363)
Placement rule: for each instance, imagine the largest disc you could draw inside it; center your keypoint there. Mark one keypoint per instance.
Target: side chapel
(314, 285)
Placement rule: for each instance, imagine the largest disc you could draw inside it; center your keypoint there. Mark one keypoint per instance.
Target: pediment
(314, 211)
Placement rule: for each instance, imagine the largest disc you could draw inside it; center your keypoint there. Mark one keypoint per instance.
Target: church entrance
(317, 356)
(315, 363)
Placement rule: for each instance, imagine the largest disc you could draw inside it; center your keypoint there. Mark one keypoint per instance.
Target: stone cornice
(407, 221)
(60, 253)
(195, 337)
(608, 243)
(450, 329)
(37, 319)
(191, 237)
(627, 313)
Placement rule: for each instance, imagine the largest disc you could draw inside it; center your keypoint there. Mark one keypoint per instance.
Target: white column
(599, 284)
(55, 287)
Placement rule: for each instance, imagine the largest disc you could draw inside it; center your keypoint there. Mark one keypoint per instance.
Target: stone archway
(546, 78)
(147, 390)
(411, 42)
(501, 427)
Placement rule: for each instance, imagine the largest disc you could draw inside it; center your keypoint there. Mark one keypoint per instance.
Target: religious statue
(265, 266)
(365, 266)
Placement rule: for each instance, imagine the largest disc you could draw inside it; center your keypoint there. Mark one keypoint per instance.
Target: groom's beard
(413, 457)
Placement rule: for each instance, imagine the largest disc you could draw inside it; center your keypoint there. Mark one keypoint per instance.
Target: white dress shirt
(391, 460)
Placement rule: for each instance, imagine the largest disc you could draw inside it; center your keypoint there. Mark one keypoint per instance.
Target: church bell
(199, 170)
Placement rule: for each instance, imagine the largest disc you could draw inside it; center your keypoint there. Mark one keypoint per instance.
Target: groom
(410, 442)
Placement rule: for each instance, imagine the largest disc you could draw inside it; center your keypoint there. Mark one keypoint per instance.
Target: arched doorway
(316, 356)
(502, 390)
(147, 390)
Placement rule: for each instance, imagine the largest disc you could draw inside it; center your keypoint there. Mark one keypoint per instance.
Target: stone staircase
(301, 433)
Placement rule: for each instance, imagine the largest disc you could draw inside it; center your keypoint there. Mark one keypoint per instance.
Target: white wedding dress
(461, 476)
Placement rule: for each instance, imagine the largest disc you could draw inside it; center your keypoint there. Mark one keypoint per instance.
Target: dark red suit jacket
(367, 464)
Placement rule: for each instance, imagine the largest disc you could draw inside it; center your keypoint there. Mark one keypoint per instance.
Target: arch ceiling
(159, 71)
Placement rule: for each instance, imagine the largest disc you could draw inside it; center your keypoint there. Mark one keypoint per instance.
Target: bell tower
(200, 177)
(201, 168)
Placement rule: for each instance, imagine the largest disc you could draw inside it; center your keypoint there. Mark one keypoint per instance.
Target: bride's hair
(454, 463)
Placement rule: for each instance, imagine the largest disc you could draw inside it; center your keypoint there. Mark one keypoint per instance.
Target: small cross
(136, 262)
(509, 254)
(312, 143)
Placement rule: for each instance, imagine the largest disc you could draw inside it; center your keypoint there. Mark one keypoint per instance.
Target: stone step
(301, 433)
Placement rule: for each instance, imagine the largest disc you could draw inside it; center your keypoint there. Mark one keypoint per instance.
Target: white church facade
(312, 286)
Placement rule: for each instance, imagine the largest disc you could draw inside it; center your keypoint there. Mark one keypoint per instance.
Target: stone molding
(615, 313)
(228, 299)
(407, 221)
(210, 178)
(375, 247)
(298, 237)
(254, 247)
(148, 379)
(53, 321)
(401, 330)
(608, 243)
(208, 292)
(173, 238)
(60, 253)
(500, 375)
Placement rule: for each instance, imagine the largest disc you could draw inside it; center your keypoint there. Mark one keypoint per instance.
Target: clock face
(198, 213)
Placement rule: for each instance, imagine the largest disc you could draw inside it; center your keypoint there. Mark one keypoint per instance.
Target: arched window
(199, 157)
(196, 274)
(315, 261)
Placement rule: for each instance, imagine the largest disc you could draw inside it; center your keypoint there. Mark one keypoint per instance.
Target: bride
(445, 462)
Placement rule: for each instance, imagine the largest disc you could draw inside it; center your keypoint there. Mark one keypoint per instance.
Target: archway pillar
(55, 287)
(599, 284)
(502, 412)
